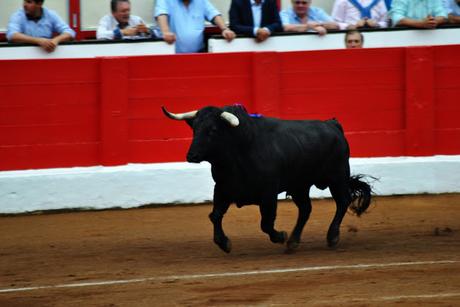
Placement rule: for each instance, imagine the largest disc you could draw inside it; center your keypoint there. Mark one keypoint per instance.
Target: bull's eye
(212, 131)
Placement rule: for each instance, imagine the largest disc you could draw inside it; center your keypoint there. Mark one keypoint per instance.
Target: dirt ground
(404, 252)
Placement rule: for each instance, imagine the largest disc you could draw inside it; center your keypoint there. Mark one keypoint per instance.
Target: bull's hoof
(280, 237)
(225, 245)
(332, 242)
(292, 245)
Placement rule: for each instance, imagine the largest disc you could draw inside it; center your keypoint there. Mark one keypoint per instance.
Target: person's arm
(276, 25)
(213, 15)
(330, 25)
(228, 34)
(339, 14)
(59, 26)
(339, 11)
(14, 27)
(162, 12)
(317, 27)
(398, 11)
(163, 23)
(440, 20)
(45, 43)
(141, 27)
(266, 31)
(288, 27)
(440, 13)
(63, 37)
(104, 30)
(425, 23)
(381, 17)
(236, 20)
(296, 27)
(326, 20)
(454, 19)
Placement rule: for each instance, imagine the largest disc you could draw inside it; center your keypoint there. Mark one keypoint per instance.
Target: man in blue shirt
(302, 17)
(182, 22)
(35, 24)
(427, 14)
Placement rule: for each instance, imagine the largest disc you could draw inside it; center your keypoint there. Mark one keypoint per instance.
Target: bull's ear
(230, 118)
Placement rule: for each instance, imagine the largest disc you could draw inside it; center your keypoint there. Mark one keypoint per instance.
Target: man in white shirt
(121, 24)
(353, 14)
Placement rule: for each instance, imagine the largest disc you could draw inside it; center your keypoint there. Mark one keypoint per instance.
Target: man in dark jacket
(258, 18)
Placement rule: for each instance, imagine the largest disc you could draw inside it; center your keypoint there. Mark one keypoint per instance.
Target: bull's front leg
(219, 209)
(268, 215)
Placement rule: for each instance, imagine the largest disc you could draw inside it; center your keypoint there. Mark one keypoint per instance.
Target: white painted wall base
(134, 185)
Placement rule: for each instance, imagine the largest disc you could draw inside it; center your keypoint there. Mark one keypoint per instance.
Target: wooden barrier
(106, 111)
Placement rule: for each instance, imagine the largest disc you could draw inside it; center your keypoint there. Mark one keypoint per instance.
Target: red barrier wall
(106, 111)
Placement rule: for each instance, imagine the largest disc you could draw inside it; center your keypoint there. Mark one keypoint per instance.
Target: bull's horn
(232, 119)
(179, 116)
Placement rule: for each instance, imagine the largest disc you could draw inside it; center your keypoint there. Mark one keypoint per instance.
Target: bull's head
(209, 125)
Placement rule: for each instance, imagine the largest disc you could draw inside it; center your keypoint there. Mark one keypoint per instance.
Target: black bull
(255, 158)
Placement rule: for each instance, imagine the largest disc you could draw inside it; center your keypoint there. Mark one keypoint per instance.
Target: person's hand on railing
(169, 37)
(132, 31)
(372, 23)
(228, 34)
(142, 29)
(47, 44)
(262, 34)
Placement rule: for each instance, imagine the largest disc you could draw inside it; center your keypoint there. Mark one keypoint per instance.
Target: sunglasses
(301, 2)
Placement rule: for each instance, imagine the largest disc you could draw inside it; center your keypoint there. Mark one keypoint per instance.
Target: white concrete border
(88, 50)
(134, 185)
(335, 40)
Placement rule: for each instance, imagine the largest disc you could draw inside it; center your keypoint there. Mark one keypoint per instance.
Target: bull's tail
(360, 192)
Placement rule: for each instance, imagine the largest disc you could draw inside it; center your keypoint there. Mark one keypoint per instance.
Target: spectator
(303, 17)
(453, 10)
(182, 21)
(258, 18)
(388, 4)
(360, 13)
(426, 14)
(354, 39)
(35, 24)
(121, 24)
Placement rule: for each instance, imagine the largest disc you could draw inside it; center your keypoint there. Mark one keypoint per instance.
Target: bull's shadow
(254, 158)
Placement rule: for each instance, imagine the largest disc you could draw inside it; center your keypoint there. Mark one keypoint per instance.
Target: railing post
(420, 102)
(74, 17)
(113, 111)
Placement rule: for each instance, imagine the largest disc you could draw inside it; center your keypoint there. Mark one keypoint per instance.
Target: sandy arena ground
(404, 252)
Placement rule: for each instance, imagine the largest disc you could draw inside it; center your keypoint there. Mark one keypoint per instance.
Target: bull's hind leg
(341, 195)
(303, 203)
(267, 223)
